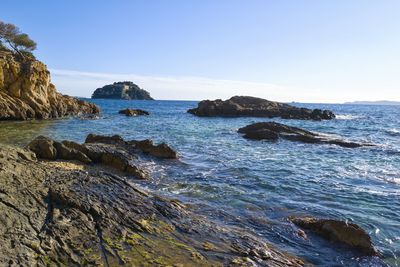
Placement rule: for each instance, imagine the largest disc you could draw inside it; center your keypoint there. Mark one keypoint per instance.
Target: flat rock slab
(247, 106)
(273, 131)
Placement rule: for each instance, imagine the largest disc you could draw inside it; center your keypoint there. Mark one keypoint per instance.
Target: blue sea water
(257, 185)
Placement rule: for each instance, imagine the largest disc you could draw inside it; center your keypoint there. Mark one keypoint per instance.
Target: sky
(283, 50)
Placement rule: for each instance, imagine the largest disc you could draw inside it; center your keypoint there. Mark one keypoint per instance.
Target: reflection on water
(22, 132)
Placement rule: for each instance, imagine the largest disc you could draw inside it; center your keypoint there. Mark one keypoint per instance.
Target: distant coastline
(381, 102)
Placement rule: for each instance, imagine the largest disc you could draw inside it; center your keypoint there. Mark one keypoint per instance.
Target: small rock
(133, 112)
(161, 151)
(94, 138)
(43, 147)
(340, 231)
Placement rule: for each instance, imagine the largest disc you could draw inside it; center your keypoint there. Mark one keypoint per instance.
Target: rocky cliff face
(26, 92)
(122, 90)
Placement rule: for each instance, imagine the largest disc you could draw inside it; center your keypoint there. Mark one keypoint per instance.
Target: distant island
(381, 102)
(122, 90)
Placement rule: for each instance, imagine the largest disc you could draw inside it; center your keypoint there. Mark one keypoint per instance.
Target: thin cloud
(83, 84)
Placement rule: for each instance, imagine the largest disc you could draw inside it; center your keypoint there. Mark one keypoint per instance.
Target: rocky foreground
(81, 207)
(247, 106)
(273, 131)
(26, 92)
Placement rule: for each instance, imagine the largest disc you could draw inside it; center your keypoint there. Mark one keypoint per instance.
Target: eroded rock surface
(27, 93)
(257, 107)
(273, 131)
(65, 213)
(133, 112)
(345, 232)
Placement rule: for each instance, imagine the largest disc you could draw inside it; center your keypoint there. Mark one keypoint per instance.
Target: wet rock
(43, 147)
(118, 157)
(26, 92)
(133, 112)
(94, 138)
(334, 230)
(273, 131)
(248, 106)
(68, 153)
(161, 150)
(54, 215)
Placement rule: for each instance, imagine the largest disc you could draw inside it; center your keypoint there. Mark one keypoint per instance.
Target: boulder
(160, 151)
(133, 112)
(68, 153)
(26, 92)
(340, 231)
(239, 106)
(94, 138)
(122, 90)
(43, 147)
(273, 131)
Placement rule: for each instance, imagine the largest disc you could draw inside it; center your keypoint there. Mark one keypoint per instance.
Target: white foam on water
(347, 117)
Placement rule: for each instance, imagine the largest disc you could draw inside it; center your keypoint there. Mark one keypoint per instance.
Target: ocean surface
(257, 185)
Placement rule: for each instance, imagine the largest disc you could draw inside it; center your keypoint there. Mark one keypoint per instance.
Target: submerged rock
(257, 107)
(64, 213)
(345, 232)
(122, 90)
(27, 93)
(133, 112)
(273, 131)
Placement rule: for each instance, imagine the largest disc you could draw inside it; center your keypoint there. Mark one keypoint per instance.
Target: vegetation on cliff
(26, 91)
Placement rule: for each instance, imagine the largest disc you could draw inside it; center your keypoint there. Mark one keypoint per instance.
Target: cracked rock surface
(68, 213)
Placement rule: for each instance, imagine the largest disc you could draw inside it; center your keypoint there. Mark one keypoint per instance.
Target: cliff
(122, 90)
(26, 92)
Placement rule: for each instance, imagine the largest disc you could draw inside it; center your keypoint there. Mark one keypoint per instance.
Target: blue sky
(287, 50)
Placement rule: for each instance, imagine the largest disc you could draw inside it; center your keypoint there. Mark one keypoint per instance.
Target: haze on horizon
(306, 51)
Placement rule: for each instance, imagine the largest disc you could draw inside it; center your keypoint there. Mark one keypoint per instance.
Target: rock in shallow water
(273, 131)
(257, 107)
(345, 232)
(129, 112)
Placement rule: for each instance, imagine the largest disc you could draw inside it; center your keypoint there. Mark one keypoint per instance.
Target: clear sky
(287, 50)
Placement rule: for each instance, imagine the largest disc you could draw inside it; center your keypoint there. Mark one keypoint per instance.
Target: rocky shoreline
(75, 212)
(26, 92)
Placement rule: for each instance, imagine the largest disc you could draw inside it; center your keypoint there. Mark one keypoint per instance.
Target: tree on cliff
(11, 37)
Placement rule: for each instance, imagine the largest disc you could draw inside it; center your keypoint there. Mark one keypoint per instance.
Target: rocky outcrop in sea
(26, 92)
(122, 90)
(247, 106)
(129, 112)
(78, 208)
(273, 131)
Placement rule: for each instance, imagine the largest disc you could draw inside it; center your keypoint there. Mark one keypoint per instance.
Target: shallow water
(257, 184)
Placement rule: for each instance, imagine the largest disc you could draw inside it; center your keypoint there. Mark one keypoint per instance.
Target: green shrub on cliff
(12, 38)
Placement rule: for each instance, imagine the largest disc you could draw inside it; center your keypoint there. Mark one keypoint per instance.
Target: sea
(258, 185)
